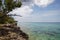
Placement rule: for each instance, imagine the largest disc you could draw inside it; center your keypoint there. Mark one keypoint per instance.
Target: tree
(7, 6)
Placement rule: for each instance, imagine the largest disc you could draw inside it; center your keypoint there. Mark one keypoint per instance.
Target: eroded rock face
(12, 33)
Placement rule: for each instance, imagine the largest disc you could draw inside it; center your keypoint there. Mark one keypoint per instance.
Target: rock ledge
(12, 32)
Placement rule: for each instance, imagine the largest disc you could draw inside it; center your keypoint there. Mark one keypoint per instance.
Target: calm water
(42, 30)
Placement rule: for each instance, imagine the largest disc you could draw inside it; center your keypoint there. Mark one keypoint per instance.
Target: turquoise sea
(41, 30)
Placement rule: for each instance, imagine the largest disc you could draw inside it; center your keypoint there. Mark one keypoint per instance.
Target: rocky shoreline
(12, 32)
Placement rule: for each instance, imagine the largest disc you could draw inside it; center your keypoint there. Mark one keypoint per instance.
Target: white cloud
(23, 11)
(28, 2)
(49, 16)
(43, 3)
(26, 8)
(40, 3)
(51, 13)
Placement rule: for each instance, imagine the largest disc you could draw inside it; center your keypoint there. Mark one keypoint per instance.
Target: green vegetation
(7, 6)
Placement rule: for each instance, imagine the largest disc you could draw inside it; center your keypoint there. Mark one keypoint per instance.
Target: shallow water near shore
(41, 30)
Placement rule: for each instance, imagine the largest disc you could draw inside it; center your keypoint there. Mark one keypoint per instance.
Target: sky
(38, 11)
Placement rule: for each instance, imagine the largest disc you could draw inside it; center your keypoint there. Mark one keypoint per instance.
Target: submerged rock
(12, 33)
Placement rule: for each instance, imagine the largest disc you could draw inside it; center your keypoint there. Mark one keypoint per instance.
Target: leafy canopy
(7, 6)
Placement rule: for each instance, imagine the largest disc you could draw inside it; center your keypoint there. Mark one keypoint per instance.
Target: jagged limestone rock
(12, 33)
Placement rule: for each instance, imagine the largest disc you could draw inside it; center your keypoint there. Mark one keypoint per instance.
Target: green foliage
(11, 4)
(6, 7)
(0, 2)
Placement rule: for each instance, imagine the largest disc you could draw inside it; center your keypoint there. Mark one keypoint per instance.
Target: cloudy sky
(38, 11)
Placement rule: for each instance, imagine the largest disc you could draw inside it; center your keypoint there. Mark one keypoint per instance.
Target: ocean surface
(41, 30)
